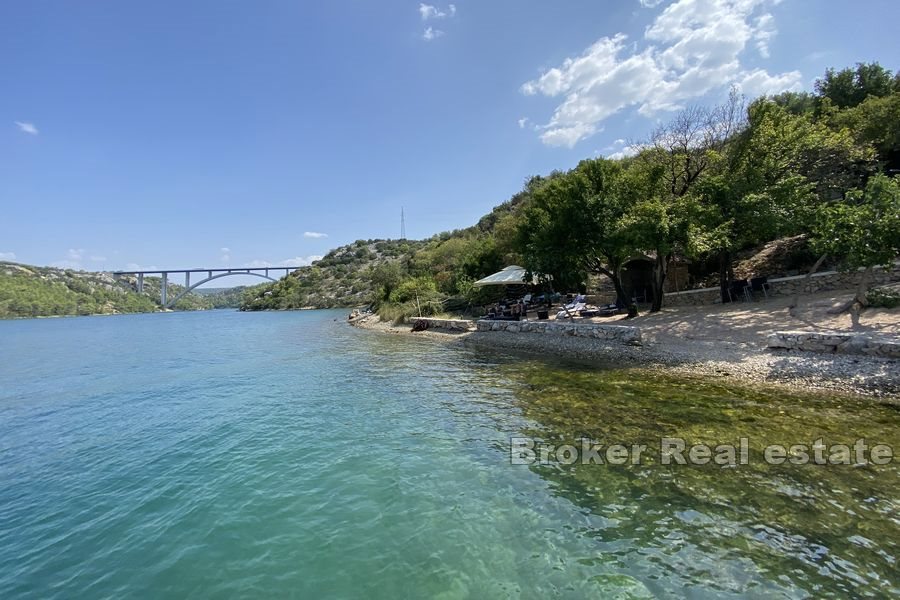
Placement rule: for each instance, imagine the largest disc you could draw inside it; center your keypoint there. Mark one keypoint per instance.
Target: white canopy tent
(511, 275)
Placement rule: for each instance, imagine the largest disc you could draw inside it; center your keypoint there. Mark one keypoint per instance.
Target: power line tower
(402, 224)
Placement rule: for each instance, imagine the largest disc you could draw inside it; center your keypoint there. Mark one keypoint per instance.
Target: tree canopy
(710, 183)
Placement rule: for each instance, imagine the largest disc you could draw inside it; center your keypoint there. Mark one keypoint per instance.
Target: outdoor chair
(740, 289)
(760, 284)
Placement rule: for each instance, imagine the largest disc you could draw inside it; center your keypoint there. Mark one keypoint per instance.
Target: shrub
(884, 297)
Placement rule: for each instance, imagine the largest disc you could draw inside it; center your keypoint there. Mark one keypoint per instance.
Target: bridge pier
(163, 285)
(140, 283)
(187, 279)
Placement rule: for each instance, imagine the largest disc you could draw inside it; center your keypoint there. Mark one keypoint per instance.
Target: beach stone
(446, 324)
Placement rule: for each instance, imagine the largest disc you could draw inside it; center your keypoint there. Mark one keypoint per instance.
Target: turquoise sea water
(225, 454)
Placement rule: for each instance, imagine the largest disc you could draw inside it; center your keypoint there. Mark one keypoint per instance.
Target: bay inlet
(282, 454)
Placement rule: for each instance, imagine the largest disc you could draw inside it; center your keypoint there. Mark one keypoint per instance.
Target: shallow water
(287, 454)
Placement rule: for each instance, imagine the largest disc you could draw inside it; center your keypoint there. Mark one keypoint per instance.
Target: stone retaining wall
(700, 297)
(790, 286)
(615, 333)
(835, 342)
(447, 324)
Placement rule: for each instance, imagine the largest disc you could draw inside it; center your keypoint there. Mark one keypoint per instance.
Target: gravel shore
(806, 370)
(744, 358)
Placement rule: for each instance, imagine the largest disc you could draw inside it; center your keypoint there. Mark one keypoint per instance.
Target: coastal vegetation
(28, 291)
(341, 278)
(705, 188)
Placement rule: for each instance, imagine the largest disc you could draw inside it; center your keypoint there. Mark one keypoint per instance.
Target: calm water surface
(225, 454)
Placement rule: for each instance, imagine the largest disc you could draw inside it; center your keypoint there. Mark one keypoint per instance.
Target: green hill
(29, 291)
(339, 279)
(358, 273)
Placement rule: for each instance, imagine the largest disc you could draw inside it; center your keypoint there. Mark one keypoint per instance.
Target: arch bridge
(210, 275)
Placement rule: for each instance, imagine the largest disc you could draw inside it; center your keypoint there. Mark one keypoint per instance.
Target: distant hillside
(29, 291)
(343, 277)
(225, 297)
(339, 279)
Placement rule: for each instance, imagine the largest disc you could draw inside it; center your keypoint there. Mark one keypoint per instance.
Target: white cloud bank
(26, 127)
(7, 256)
(297, 261)
(694, 48)
(314, 235)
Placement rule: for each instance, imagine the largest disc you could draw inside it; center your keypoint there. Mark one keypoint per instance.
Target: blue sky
(225, 133)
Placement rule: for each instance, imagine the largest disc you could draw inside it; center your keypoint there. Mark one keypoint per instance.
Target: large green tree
(655, 219)
(573, 226)
(850, 87)
(661, 181)
(875, 121)
(862, 231)
(768, 180)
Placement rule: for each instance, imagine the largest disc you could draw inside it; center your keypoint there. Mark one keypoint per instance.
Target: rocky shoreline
(750, 363)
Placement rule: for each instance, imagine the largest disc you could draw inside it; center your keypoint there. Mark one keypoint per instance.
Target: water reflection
(828, 530)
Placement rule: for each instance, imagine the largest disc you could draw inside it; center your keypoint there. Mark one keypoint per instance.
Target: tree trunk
(862, 289)
(621, 299)
(660, 271)
(613, 276)
(858, 302)
(796, 299)
(724, 275)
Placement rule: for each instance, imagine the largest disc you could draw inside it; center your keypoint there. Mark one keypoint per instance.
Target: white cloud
(523, 122)
(651, 3)
(629, 150)
(428, 12)
(7, 256)
(66, 264)
(301, 261)
(694, 47)
(567, 136)
(765, 31)
(27, 127)
(297, 261)
(73, 259)
(136, 267)
(432, 12)
(432, 34)
(225, 250)
(314, 235)
(758, 83)
(98, 258)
